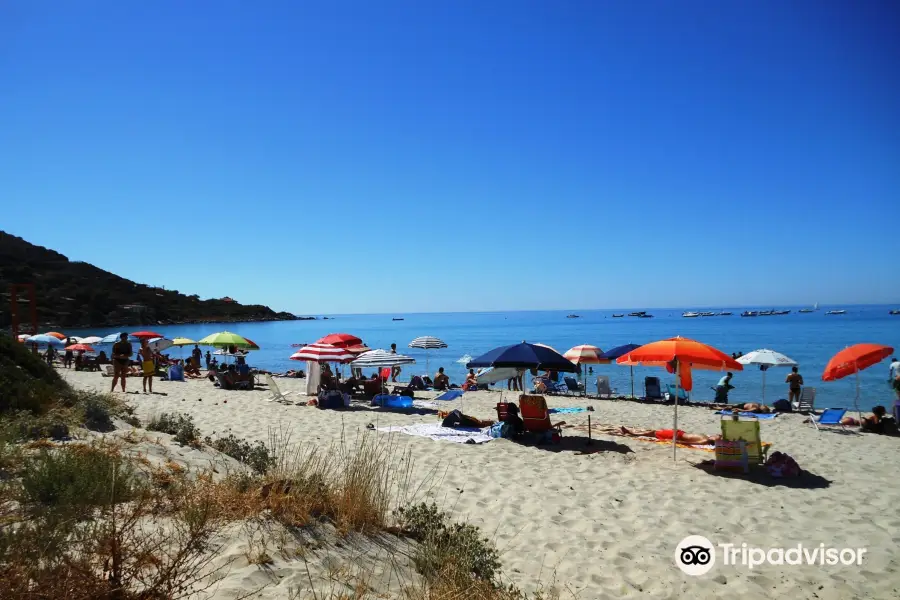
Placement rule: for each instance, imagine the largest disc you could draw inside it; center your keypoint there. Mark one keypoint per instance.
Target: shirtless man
(149, 368)
(795, 384)
(695, 439)
(121, 355)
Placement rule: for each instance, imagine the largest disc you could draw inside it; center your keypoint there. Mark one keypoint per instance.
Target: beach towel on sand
(566, 411)
(434, 431)
(747, 415)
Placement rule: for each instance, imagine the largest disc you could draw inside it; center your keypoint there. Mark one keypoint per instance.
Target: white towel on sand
(446, 434)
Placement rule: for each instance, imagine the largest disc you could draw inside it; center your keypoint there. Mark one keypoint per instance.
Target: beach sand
(604, 520)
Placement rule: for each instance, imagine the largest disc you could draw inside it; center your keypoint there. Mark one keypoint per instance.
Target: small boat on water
(397, 319)
(806, 310)
(766, 313)
(573, 316)
(781, 312)
(645, 316)
(637, 314)
(895, 312)
(836, 312)
(724, 313)
(690, 315)
(618, 316)
(750, 313)
(707, 314)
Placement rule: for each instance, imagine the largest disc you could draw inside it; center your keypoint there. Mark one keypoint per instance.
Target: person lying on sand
(753, 407)
(694, 439)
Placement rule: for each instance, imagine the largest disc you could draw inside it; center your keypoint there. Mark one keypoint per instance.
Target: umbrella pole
(856, 402)
(675, 428)
(632, 381)
(764, 387)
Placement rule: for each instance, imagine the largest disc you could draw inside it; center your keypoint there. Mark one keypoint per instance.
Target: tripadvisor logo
(695, 555)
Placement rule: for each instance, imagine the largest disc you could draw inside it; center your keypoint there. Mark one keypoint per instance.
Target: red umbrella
(147, 335)
(341, 340)
(853, 359)
(80, 348)
(253, 345)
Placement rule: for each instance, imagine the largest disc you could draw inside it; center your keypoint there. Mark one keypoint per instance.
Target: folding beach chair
(807, 400)
(830, 417)
(551, 386)
(603, 388)
(572, 385)
(652, 390)
(535, 414)
(746, 430)
(277, 395)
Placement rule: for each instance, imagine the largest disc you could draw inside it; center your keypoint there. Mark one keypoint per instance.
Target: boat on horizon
(724, 313)
(750, 313)
(707, 314)
(397, 319)
(637, 314)
(690, 315)
(894, 312)
(809, 310)
(618, 316)
(644, 315)
(573, 316)
(836, 312)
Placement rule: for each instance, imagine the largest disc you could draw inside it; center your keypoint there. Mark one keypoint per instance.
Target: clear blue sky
(329, 157)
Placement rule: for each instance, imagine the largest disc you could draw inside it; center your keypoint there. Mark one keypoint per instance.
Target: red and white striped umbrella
(585, 355)
(323, 353)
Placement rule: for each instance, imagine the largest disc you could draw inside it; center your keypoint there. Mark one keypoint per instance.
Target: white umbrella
(381, 358)
(426, 343)
(91, 339)
(323, 353)
(160, 344)
(766, 358)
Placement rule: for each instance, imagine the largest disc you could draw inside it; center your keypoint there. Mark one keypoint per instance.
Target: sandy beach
(604, 520)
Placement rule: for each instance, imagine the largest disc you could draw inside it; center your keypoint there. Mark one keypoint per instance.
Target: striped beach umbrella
(323, 353)
(44, 340)
(381, 358)
(426, 343)
(57, 335)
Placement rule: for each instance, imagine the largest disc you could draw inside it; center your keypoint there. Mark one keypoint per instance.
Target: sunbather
(441, 380)
(753, 407)
(471, 381)
(695, 439)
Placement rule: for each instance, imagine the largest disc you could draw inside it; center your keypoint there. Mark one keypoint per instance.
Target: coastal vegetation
(92, 507)
(77, 294)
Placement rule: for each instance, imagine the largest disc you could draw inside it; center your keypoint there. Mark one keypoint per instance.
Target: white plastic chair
(277, 395)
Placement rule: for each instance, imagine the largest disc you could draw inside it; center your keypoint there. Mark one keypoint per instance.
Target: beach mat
(450, 395)
(434, 431)
(749, 415)
(566, 411)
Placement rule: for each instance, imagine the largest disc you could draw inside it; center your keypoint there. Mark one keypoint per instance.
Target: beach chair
(745, 430)
(572, 385)
(807, 400)
(732, 456)
(551, 387)
(603, 388)
(830, 417)
(277, 395)
(536, 415)
(652, 389)
(670, 392)
(110, 371)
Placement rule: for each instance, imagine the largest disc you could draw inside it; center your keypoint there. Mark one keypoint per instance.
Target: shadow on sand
(759, 476)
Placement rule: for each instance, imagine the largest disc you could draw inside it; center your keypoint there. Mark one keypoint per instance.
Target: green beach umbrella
(223, 339)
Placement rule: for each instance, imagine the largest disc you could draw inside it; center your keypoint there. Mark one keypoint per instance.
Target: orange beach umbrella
(853, 359)
(680, 354)
(586, 355)
(57, 335)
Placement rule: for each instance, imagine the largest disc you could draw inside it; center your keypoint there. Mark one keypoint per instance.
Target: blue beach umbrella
(114, 337)
(524, 356)
(622, 351)
(44, 340)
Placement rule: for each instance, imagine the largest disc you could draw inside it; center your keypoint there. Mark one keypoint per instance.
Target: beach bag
(501, 430)
(782, 465)
(782, 406)
(331, 399)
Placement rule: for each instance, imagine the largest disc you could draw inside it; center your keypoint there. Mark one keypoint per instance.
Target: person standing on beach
(147, 365)
(894, 370)
(795, 384)
(395, 370)
(121, 355)
(197, 354)
(208, 359)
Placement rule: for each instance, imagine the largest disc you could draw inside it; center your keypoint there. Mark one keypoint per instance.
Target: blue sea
(808, 338)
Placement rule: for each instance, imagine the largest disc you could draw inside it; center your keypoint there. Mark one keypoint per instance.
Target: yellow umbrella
(182, 341)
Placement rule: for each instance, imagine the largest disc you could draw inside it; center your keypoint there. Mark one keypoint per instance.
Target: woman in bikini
(693, 439)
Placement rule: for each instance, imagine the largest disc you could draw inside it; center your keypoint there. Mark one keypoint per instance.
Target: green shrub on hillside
(26, 381)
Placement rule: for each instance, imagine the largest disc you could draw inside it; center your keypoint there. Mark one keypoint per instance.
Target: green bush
(444, 545)
(26, 381)
(179, 425)
(97, 414)
(76, 478)
(255, 455)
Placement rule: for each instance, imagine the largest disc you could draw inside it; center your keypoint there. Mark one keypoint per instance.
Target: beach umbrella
(680, 352)
(852, 360)
(426, 343)
(23, 336)
(253, 345)
(357, 349)
(524, 356)
(182, 341)
(146, 334)
(44, 339)
(585, 355)
(341, 340)
(381, 358)
(114, 337)
(159, 344)
(766, 358)
(223, 339)
(618, 351)
(57, 335)
(323, 353)
(80, 348)
(91, 339)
